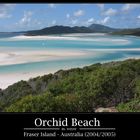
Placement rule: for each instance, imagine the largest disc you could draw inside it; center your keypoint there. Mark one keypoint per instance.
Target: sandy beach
(12, 56)
(19, 57)
(76, 37)
(9, 79)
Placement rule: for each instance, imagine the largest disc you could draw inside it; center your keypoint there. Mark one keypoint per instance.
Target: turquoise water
(90, 44)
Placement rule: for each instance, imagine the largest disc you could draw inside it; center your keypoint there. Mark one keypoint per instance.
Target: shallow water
(96, 48)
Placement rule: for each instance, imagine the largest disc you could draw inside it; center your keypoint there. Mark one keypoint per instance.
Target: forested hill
(93, 28)
(57, 29)
(102, 28)
(114, 84)
(134, 32)
(60, 29)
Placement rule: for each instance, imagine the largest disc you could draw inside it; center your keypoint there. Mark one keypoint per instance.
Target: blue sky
(18, 17)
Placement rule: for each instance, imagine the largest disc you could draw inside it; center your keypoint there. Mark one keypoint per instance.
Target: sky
(22, 17)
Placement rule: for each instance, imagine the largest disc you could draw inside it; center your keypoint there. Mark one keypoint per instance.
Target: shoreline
(10, 79)
(15, 57)
(74, 37)
(29, 56)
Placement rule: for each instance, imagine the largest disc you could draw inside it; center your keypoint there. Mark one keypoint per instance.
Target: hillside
(66, 30)
(59, 30)
(114, 84)
(93, 28)
(101, 28)
(134, 32)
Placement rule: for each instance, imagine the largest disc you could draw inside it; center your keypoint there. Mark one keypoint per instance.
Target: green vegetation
(101, 28)
(59, 30)
(132, 106)
(47, 103)
(76, 90)
(93, 28)
(134, 32)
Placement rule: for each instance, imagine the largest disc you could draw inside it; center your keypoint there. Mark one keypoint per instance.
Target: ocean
(32, 56)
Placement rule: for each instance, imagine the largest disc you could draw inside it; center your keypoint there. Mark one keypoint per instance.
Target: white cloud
(105, 20)
(110, 12)
(138, 17)
(52, 5)
(101, 21)
(79, 13)
(74, 21)
(101, 6)
(128, 7)
(5, 10)
(37, 22)
(26, 18)
(53, 22)
(68, 15)
(27, 22)
(89, 21)
(4, 15)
